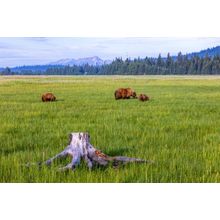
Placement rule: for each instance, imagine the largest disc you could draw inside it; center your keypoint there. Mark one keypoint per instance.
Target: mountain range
(92, 61)
(96, 61)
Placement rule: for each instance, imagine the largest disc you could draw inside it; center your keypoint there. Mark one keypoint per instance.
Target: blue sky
(15, 51)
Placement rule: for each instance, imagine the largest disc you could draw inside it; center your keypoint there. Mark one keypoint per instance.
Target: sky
(18, 51)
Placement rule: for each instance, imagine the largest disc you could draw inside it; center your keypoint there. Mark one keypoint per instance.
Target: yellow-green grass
(179, 128)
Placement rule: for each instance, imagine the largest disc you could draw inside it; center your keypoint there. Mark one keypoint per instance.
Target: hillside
(210, 52)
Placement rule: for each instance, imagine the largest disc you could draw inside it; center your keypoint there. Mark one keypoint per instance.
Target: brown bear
(48, 97)
(143, 97)
(125, 93)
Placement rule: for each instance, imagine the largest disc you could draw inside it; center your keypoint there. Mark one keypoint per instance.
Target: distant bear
(143, 97)
(48, 97)
(125, 93)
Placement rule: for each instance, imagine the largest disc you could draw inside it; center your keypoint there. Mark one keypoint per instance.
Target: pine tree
(6, 71)
(207, 65)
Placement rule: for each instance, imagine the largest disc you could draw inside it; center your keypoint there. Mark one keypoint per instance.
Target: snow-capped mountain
(93, 61)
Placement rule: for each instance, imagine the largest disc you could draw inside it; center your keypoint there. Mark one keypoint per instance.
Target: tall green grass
(179, 128)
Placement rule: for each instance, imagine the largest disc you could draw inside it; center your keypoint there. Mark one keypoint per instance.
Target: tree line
(178, 65)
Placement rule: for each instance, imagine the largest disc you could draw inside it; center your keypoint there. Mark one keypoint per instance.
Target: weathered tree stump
(80, 148)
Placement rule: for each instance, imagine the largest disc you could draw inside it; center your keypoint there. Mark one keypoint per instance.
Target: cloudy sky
(15, 51)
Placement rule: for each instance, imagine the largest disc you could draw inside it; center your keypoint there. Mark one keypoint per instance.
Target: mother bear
(125, 93)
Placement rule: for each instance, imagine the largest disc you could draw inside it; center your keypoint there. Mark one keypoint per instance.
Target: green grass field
(179, 128)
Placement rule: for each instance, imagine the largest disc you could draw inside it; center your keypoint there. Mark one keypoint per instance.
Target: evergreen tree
(207, 65)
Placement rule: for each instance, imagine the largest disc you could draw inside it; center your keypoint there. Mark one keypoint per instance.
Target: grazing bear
(143, 97)
(125, 93)
(48, 97)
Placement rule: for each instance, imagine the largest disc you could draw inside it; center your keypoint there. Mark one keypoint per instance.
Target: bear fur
(125, 93)
(48, 97)
(143, 97)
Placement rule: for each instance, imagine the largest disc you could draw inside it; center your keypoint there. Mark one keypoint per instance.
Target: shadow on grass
(57, 100)
(119, 151)
(17, 149)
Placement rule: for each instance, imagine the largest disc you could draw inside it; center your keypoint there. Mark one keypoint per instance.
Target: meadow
(179, 128)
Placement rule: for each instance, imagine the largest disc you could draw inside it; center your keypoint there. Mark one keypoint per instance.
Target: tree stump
(80, 148)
